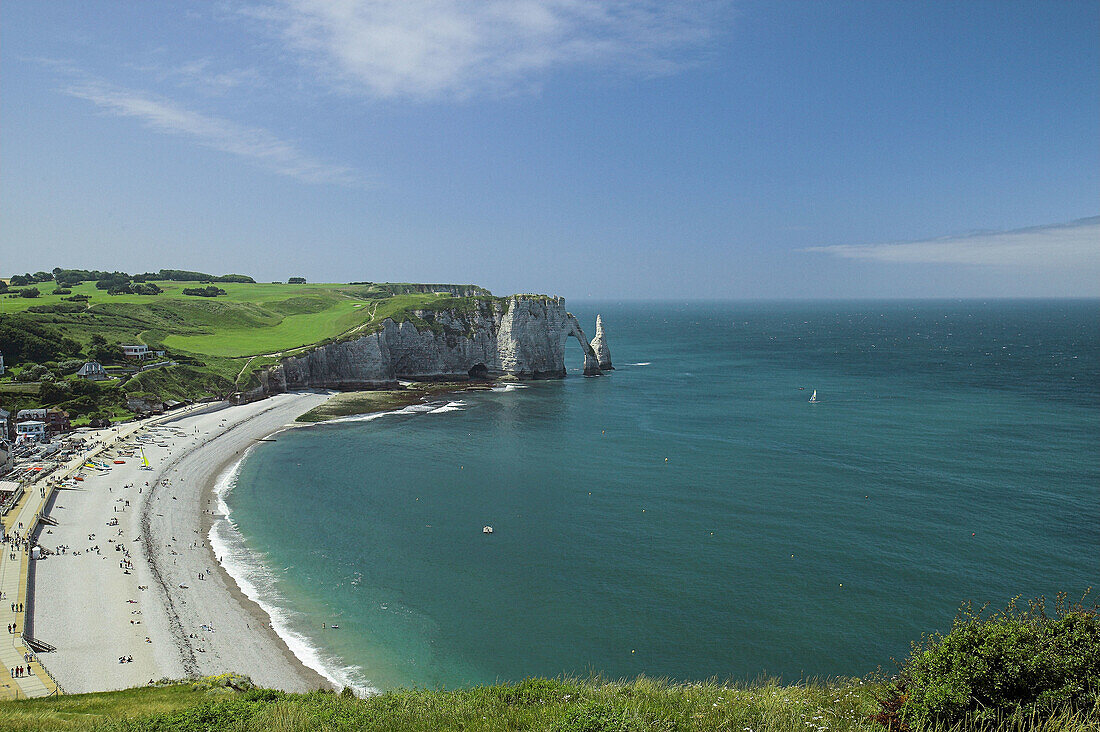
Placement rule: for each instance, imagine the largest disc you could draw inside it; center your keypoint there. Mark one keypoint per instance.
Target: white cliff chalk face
(599, 345)
(523, 336)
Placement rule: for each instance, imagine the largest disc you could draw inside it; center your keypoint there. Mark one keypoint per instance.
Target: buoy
(666, 460)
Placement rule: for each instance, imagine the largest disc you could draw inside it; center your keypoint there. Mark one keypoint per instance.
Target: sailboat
(144, 461)
(813, 397)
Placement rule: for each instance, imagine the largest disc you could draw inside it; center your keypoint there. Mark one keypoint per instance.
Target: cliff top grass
(221, 342)
(228, 702)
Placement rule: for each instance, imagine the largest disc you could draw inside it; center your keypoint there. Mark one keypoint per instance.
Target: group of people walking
(16, 543)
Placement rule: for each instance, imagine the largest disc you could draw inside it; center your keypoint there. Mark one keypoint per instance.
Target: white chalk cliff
(599, 345)
(522, 336)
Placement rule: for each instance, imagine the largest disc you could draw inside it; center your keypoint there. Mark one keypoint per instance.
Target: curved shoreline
(244, 575)
(168, 610)
(212, 459)
(175, 609)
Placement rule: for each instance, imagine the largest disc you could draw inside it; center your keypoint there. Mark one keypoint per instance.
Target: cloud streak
(431, 49)
(1056, 246)
(253, 144)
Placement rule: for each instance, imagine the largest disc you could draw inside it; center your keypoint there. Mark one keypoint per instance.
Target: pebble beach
(130, 590)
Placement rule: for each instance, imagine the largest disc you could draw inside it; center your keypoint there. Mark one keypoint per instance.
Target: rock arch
(591, 360)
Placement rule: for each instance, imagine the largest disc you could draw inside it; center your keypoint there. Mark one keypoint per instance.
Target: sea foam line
(258, 583)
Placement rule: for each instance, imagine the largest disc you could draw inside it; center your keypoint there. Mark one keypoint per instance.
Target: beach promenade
(19, 525)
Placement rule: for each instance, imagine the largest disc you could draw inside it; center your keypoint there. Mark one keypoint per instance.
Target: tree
(296, 281)
(23, 338)
(30, 292)
(106, 352)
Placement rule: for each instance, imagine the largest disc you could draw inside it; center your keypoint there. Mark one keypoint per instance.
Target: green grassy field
(221, 343)
(249, 320)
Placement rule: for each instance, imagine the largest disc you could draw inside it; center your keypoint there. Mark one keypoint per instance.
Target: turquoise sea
(692, 515)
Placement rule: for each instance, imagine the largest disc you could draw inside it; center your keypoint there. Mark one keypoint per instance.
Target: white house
(32, 429)
(38, 413)
(138, 352)
(92, 371)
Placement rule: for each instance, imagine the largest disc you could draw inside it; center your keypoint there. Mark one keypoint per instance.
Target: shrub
(1016, 662)
(60, 307)
(210, 291)
(33, 372)
(62, 291)
(30, 292)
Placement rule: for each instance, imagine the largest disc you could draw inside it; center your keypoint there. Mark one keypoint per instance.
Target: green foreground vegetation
(218, 337)
(1018, 669)
(567, 705)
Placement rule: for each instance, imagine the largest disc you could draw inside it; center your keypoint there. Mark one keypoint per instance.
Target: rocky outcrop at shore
(599, 345)
(522, 336)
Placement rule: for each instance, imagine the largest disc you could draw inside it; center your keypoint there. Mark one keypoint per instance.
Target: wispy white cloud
(254, 144)
(1071, 245)
(203, 75)
(428, 49)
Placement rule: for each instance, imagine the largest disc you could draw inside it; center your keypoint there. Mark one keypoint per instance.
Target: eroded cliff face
(522, 336)
(599, 345)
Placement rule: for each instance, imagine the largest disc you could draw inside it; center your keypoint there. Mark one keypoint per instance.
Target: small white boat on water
(487, 530)
(813, 397)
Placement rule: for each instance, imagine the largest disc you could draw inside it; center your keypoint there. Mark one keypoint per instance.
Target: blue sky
(624, 149)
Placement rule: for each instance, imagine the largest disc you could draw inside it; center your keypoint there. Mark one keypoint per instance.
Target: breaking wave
(259, 584)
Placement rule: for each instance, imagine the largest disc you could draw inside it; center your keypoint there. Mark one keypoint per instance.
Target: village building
(92, 371)
(55, 420)
(140, 352)
(1, 364)
(7, 425)
(31, 430)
